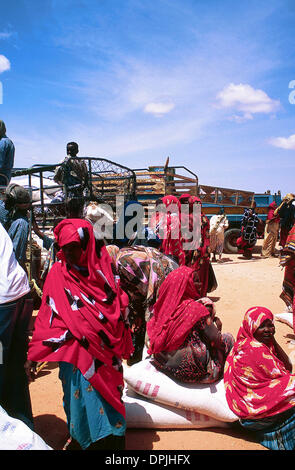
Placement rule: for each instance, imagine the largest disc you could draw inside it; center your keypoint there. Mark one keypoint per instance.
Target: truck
(155, 182)
(107, 179)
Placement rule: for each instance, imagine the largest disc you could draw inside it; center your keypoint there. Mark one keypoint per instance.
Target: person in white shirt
(16, 308)
(218, 224)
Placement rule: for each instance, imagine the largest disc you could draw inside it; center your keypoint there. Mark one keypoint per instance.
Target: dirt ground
(241, 284)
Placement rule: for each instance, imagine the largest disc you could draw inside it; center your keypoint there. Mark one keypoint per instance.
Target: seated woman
(82, 325)
(141, 270)
(260, 387)
(184, 335)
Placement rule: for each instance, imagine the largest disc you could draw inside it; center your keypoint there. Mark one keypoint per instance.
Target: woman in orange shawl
(260, 388)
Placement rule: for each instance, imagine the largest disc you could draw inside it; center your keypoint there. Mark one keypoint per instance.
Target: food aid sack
(16, 435)
(285, 317)
(206, 399)
(146, 414)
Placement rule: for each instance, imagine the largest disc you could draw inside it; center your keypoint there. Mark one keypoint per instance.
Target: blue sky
(203, 82)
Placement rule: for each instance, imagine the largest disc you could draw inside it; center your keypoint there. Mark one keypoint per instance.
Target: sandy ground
(241, 284)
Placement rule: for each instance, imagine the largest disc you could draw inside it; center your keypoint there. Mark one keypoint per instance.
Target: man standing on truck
(72, 174)
(286, 212)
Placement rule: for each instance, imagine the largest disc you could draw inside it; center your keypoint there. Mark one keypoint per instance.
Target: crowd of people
(105, 300)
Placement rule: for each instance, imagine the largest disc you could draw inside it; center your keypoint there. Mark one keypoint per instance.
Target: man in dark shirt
(6, 156)
(72, 174)
(286, 211)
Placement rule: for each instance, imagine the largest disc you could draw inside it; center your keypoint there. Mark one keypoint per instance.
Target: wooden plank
(186, 178)
(150, 173)
(180, 186)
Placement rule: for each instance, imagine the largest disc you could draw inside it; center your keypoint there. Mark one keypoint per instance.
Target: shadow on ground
(53, 430)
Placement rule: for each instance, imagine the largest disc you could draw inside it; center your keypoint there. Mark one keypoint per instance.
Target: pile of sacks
(155, 401)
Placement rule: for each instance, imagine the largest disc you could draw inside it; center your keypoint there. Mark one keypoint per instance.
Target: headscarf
(195, 200)
(203, 249)
(271, 209)
(289, 197)
(249, 224)
(18, 194)
(170, 225)
(190, 225)
(2, 129)
(257, 383)
(82, 319)
(184, 198)
(175, 312)
(145, 268)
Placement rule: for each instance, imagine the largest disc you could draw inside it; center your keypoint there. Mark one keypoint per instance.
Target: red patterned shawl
(172, 244)
(82, 316)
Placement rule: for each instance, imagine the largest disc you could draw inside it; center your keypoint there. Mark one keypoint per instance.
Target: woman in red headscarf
(190, 219)
(184, 335)
(168, 228)
(82, 325)
(271, 232)
(260, 388)
(200, 257)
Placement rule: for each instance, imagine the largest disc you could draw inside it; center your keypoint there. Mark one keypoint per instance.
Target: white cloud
(4, 64)
(5, 35)
(246, 100)
(287, 143)
(158, 109)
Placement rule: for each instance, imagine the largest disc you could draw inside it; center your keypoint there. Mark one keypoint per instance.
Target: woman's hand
(30, 369)
(282, 356)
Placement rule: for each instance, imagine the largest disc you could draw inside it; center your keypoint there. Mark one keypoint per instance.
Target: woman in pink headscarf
(184, 334)
(168, 228)
(260, 388)
(200, 258)
(82, 325)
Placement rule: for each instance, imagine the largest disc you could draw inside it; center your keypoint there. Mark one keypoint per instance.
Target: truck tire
(230, 240)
